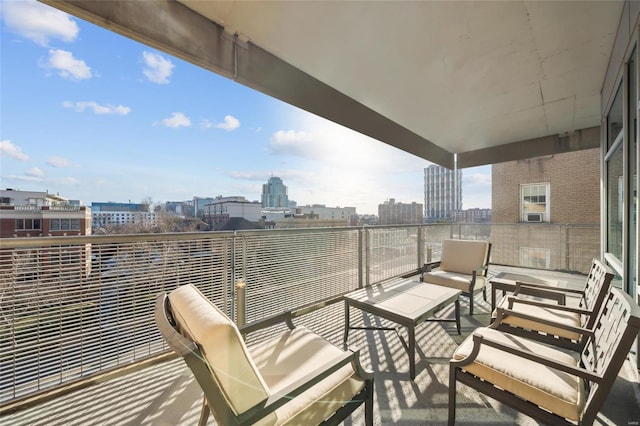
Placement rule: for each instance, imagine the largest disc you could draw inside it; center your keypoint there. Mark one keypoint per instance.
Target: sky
(93, 116)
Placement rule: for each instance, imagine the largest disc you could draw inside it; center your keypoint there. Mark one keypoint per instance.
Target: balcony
(79, 344)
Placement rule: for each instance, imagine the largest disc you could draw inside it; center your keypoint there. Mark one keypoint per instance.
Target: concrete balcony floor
(167, 394)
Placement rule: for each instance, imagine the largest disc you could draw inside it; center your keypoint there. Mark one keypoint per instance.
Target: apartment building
(442, 193)
(392, 213)
(535, 200)
(224, 208)
(105, 214)
(40, 214)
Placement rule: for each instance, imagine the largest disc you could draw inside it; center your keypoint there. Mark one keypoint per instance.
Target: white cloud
(7, 149)
(58, 162)
(34, 172)
(38, 22)
(206, 124)
(158, 69)
(67, 66)
(291, 142)
(230, 123)
(97, 108)
(177, 119)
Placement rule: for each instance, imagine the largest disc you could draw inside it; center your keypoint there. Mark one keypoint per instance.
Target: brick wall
(574, 186)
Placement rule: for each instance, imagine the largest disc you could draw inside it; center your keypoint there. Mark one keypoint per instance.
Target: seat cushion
(222, 346)
(288, 358)
(463, 256)
(554, 390)
(550, 314)
(453, 280)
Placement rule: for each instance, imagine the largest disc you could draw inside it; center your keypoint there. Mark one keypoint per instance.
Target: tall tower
(274, 194)
(442, 192)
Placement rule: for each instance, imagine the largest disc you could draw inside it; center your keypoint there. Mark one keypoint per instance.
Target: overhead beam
(177, 30)
(548, 145)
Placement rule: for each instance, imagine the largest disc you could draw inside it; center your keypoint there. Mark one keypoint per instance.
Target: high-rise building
(274, 194)
(442, 192)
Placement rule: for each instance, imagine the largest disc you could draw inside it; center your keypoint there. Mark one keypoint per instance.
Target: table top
(511, 278)
(410, 299)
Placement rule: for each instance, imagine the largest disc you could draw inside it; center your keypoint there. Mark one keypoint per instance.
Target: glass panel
(614, 203)
(55, 224)
(633, 184)
(615, 118)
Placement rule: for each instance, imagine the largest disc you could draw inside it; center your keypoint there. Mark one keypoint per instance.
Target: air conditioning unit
(534, 217)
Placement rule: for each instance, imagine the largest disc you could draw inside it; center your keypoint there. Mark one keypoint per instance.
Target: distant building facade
(40, 214)
(542, 197)
(347, 214)
(274, 194)
(224, 208)
(105, 214)
(472, 216)
(442, 193)
(392, 213)
(198, 205)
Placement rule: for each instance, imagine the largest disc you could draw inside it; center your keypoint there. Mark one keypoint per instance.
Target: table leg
(412, 351)
(346, 323)
(458, 315)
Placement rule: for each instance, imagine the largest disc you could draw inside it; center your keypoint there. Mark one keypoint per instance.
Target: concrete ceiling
(489, 81)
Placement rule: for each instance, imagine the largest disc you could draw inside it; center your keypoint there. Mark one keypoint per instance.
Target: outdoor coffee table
(407, 303)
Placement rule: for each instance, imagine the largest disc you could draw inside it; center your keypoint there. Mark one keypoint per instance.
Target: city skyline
(94, 116)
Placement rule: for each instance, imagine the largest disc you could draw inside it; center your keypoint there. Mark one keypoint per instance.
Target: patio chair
(463, 265)
(293, 378)
(557, 324)
(542, 381)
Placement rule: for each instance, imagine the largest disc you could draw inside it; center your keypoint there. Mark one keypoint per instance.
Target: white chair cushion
(453, 280)
(556, 391)
(289, 357)
(222, 346)
(555, 315)
(463, 256)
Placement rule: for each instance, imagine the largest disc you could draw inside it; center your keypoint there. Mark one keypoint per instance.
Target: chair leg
(452, 395)
(484, 293)
(471, 303)
(368, 404)
(204, 412)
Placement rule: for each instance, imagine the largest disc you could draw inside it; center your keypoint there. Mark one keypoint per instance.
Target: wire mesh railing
(74, 307)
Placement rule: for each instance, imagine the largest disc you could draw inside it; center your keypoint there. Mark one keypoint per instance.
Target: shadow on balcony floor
(166, 394)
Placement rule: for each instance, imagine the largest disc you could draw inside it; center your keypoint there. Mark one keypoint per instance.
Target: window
(535, 202)
(535, 258)
(27, 224)
(65, 224)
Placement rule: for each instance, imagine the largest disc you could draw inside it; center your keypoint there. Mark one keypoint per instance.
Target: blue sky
(94, 116)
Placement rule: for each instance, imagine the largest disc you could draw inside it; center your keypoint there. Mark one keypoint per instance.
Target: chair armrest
(546, 293)
(513, 300)
(284, 396)
(479, 340)
(546, 287)
(431, 265)
(503, 313)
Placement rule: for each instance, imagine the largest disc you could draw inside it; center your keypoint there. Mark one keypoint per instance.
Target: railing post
(361, 232)
(241, 307)
(367, 249)
(420, 247)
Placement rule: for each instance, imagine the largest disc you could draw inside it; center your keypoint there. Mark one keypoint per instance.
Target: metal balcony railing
(74, 307)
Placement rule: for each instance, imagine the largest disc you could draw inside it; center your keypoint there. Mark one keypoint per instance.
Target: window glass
(535, 207)
(54, 224)
(615, 204)
(75, 224)
(19, 224)
(614, 119)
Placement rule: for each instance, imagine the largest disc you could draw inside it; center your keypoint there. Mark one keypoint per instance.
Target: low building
(40, 214)
(112, 214)
(225, 208)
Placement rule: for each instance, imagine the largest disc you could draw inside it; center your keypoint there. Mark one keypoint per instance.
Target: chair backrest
(217, 355)
(595, 290)
(617, 327)
(464, 256)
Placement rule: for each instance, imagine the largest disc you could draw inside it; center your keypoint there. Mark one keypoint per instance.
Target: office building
(274, 194)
